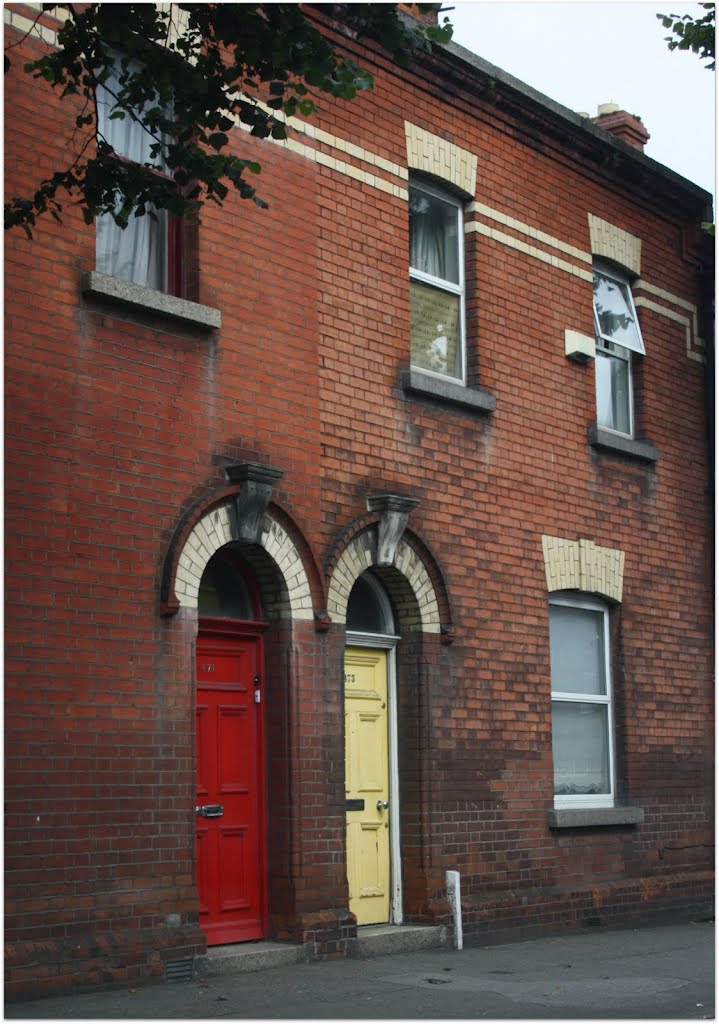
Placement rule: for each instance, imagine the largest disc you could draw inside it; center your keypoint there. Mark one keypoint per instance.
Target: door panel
(367, 784)
(230, 774)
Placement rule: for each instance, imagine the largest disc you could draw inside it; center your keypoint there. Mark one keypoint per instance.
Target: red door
(230, 791)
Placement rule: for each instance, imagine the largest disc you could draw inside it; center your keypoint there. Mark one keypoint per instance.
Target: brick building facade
(460, 359)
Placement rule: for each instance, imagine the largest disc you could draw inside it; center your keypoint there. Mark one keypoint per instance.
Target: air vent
(179, 970)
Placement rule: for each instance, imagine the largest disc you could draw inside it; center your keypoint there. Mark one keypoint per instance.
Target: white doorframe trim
(389, 644)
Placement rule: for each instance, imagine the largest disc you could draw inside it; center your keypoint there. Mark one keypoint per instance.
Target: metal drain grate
(179, 970)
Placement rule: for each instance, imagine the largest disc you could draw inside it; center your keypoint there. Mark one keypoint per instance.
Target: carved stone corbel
(394, 511)
(251, 501)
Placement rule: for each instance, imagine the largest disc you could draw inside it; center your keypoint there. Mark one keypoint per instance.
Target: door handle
(382, 804)
(209, 810)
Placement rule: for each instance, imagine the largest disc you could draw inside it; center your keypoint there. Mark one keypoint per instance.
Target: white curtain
(580, 748)
(138, 253)
(613, 387)
(433, 236)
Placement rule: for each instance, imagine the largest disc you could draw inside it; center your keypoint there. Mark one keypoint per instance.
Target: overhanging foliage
(204, 67)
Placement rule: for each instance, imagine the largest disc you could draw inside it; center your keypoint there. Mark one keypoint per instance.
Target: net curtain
(433, 236)
(136, 253)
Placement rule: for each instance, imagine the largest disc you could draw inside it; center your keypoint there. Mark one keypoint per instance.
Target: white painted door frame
(389, 644)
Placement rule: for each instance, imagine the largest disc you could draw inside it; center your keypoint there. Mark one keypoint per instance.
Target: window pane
(223, 591)
(433, 241)
(614, 313)
(138, 253)
(576, 641)
(580, 745)
(128, 137)
(434, 329)
(613, 383)
(365, 612)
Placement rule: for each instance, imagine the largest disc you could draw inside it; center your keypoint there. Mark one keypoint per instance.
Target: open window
(618, 342)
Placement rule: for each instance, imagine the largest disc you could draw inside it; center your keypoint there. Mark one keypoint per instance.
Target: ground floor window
(582, 728)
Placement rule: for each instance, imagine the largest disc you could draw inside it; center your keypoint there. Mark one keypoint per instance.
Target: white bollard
(453, 895)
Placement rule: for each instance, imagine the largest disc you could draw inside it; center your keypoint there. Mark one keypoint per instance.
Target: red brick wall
(113, 423)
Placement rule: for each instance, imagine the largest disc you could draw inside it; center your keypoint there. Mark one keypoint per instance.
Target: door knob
(382, 804)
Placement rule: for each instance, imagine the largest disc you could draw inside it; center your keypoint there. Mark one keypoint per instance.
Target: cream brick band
(434, 155)
(529, 250)
(358, 556)
(215, 530)
(176, 23)
(537, 236)
(459, 167)
(583, 565)
(30, 27)
(614, 244)
(696, 346)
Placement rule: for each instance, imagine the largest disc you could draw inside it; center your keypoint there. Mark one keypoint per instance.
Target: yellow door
(367, 784)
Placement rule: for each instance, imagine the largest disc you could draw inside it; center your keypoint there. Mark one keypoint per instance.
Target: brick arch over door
(415, 586)
(288, 580)
(216, 528)
(359, 555)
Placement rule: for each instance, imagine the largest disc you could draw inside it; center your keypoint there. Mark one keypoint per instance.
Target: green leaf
(230, 55)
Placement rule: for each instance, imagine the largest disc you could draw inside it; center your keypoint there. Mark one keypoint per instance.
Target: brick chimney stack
(428, 17)
(625, 126)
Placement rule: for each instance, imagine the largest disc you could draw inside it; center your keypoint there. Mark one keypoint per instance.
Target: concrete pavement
(663, 972)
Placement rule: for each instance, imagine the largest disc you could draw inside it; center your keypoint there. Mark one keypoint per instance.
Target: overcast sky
(584, 54)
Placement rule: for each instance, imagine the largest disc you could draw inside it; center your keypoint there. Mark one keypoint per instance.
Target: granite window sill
(477, 400)
(592, 817)
(134, 296)
(605, 440)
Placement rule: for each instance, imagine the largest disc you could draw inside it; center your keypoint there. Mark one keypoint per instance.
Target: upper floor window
(582, 726)
(617, 336)
(147, 251)
(436, 282)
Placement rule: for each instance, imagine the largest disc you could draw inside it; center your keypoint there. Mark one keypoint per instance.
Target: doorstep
(249, 956)
(372, 940)
(384, 939)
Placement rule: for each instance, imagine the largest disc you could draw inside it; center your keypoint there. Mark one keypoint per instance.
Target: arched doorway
(371, 774)
(230, 753)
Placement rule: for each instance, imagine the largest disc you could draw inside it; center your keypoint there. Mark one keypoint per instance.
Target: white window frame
(605, 344)
(588, 800)
(616, 352)
(449, 286)
(104, 224)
